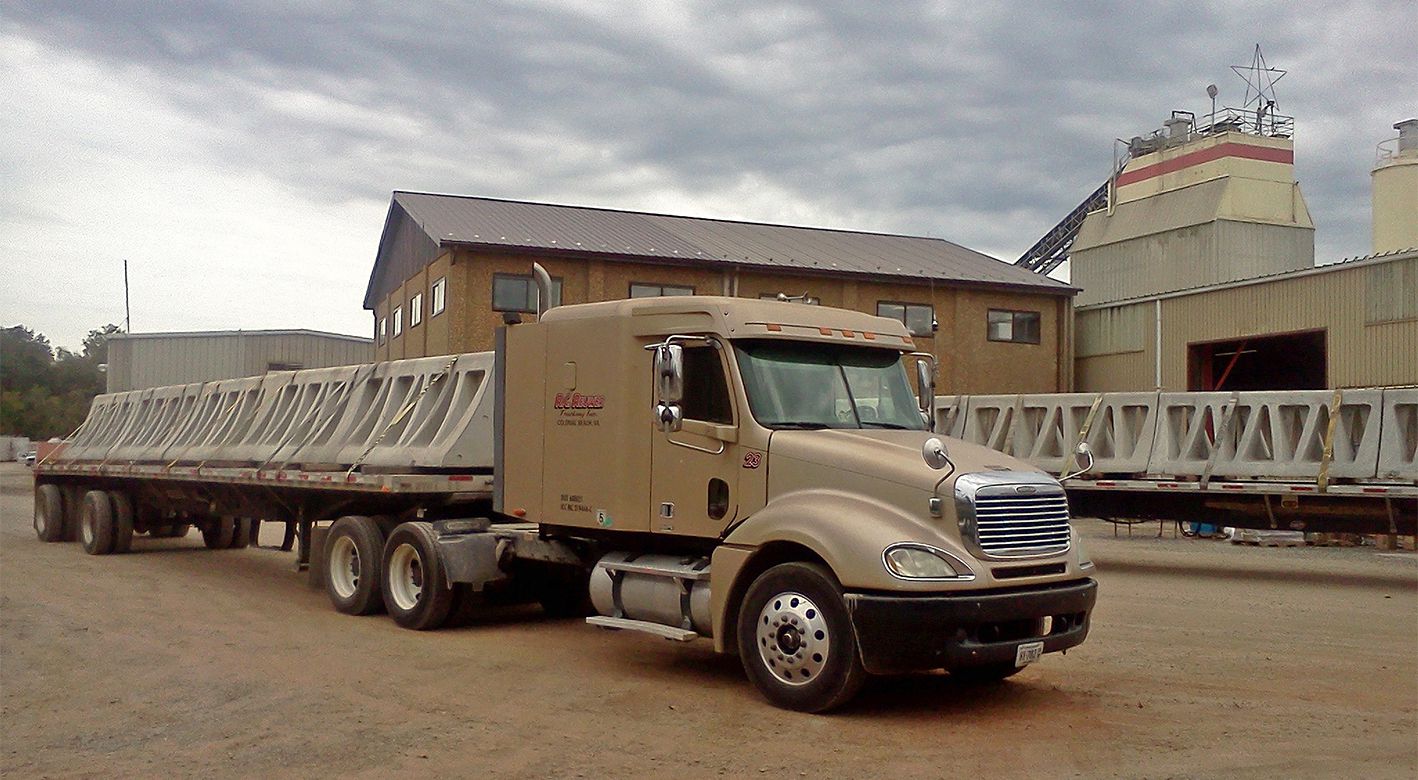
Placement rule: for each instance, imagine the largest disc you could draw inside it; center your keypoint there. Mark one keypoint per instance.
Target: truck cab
(763, 473)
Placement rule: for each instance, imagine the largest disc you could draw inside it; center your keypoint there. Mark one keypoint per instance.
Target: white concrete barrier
(1304, 435)
(424, 412)
(1398, 442)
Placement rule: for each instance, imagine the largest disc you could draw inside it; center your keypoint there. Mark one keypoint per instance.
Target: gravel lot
(1206, 660)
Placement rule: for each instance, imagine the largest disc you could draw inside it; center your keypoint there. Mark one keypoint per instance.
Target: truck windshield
(810, 385)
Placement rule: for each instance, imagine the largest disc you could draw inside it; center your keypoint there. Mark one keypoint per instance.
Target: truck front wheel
(414, 585)
(354, 548)
(796, 640)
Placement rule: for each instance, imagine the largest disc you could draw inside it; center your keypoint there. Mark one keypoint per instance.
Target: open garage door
(1289, 361)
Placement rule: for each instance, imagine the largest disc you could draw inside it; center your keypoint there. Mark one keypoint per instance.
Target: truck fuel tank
(666, 589)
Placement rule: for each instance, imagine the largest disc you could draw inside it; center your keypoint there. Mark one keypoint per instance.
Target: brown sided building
(450, 268)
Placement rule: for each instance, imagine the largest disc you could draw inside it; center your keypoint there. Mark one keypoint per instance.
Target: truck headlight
(910, 561)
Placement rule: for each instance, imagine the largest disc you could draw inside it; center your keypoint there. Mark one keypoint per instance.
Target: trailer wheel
(96, 523)
(49, 513)
(414, 585)
(796, 640)
(240, 533)
(354, 552)
(217, 533)
(122, 521)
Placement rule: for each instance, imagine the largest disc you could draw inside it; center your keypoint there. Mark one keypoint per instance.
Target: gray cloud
(975, 122)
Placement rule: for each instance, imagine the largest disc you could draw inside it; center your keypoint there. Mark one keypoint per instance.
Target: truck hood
(890, 455)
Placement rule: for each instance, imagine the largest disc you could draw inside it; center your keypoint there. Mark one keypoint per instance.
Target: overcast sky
(241, 155)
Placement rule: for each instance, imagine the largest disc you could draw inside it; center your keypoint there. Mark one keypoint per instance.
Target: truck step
(658, 629)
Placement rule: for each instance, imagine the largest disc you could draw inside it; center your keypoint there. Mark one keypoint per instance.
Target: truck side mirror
(669, 373)
(669, 416)
(669, 386)
(925, 390)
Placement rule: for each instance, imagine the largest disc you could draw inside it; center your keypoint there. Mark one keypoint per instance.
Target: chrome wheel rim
(41, 521)
(793, 638)
(344, 567)
(86, 528)
(405, 577)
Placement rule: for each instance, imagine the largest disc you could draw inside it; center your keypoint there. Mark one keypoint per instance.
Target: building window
(811, 300)
(919, 318)
(1020, 327)
(398, 317)
(644, 290)
(415, 310)
(438, 296)
(383, 329)
(284, 366)
(514, 292)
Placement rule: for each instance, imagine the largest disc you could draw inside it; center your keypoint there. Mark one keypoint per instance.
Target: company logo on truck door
(578, 401)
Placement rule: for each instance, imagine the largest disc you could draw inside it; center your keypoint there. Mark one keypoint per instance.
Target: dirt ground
(1206, 660)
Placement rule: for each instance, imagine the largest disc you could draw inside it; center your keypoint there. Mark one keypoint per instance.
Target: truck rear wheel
(122, 521)
(414, 585)
(49, 513)
(96, 523)
(354, 552)
(796, 639)
(216, 533)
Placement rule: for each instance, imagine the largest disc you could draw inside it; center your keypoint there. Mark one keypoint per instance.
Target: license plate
(1028, 653)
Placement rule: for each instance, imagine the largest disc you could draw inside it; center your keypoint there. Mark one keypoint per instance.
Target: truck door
(694, 471)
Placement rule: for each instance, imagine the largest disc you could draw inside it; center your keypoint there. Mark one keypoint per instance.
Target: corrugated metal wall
(168, 359)
(1215, 252)
(1369, 313)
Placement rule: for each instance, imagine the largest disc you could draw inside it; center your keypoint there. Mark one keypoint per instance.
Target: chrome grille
(1010, 523)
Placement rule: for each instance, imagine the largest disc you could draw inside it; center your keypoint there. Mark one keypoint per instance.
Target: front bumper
(913, 633)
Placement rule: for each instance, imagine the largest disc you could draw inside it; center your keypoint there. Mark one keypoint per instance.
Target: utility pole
(127, 312)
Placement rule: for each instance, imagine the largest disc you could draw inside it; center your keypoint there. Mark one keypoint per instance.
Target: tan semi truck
(753, 472)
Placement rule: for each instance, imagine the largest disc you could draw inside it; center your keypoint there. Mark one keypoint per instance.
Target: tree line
(46, 391)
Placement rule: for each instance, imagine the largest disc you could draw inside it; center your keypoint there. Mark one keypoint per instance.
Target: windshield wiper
(892, 426)
(803, 425)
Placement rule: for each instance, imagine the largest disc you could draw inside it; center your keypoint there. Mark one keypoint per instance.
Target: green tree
(46, 392)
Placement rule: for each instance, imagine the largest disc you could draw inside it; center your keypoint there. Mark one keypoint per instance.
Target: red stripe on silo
(1244, 151)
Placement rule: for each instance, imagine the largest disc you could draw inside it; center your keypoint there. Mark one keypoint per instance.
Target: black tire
(353, 561)
(796, 639)
(412, 581)
(217, 533)
(984, 675)
(49, 514)
(122, 521)
(253, 539)
(96, 523)
(240, 533)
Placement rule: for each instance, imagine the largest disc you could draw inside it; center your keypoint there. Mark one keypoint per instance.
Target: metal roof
(521, 225)
(233, 333)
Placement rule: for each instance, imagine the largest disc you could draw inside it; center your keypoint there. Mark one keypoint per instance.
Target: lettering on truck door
(695, 470)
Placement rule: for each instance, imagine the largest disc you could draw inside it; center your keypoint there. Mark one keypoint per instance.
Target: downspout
(1157, 331)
